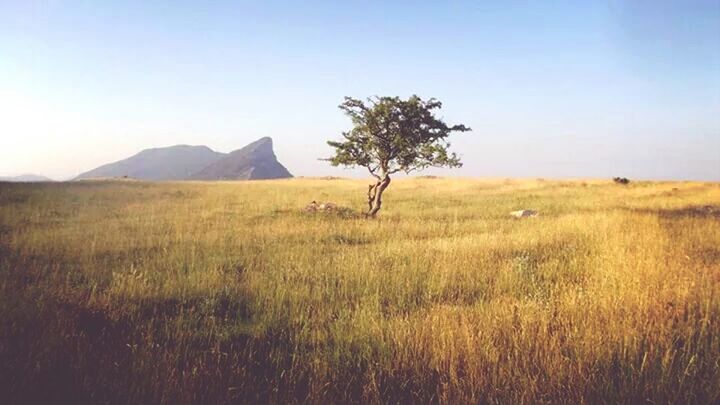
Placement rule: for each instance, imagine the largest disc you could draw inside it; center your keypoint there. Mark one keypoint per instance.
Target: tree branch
(372, 171)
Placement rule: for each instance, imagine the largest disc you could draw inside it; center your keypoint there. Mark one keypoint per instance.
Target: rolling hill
(25, 178)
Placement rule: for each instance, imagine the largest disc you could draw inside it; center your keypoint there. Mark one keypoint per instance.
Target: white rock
(524, 213)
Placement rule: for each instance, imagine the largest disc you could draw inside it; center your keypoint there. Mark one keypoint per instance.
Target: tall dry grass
(129, 292)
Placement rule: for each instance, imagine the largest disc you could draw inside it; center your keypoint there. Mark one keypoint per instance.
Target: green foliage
(390, 135)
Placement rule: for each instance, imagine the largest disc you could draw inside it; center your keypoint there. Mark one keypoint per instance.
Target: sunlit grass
(135, 292)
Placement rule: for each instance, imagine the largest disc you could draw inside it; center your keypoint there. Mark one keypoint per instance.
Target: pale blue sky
(551, 89)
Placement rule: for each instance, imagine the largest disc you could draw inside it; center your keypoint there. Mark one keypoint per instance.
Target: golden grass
(131, 292)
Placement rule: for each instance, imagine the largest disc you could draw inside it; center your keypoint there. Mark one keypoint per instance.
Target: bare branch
(372, 171)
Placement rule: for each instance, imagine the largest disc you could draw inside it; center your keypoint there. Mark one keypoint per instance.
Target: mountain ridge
(255, 161)
(26, 178)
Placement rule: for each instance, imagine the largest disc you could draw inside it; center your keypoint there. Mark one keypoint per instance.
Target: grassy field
(131, 292)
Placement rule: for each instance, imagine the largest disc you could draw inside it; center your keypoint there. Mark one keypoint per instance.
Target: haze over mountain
(184, 162)
(255, 161)
(25, 178)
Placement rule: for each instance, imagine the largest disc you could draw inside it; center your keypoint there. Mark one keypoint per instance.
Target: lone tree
(390, 135)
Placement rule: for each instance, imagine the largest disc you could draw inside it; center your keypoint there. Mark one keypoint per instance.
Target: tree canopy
(390, 135)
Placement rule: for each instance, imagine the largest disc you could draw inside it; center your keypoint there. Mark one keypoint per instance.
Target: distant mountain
(255, 161)
(25, 178)
(184, 162)
(171, 163)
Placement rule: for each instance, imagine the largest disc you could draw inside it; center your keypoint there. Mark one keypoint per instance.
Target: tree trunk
(371, 196)
(375, 192)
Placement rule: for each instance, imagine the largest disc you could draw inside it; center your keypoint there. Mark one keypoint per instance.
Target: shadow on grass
(53, 351)
(694, 211)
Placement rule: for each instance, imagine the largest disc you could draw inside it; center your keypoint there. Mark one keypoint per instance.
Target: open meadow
(227, 292)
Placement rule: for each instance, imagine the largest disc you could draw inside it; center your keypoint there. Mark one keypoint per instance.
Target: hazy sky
(551, 89)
